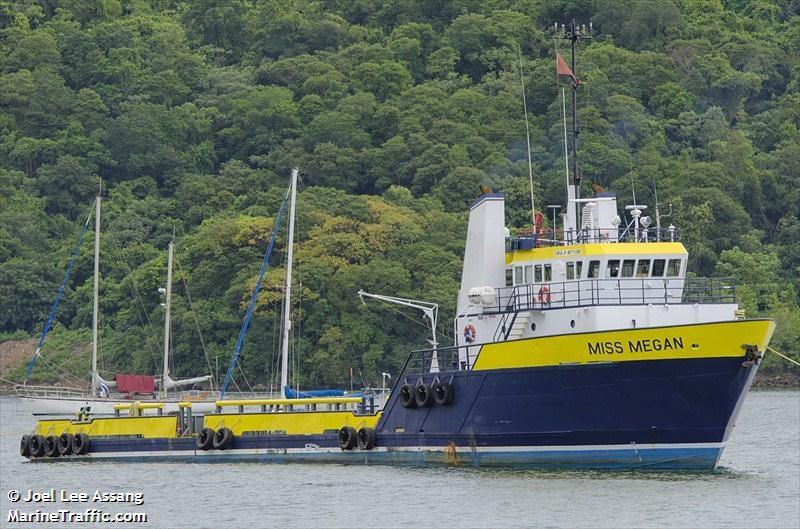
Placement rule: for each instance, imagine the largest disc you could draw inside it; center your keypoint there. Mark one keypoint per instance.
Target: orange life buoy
(469, 333)
(544, 294)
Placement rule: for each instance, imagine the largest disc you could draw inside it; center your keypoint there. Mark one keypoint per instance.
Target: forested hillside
(193, 113)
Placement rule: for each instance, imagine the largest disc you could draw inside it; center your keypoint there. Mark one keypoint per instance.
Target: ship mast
(167, 307)
(96, 288)
(573, 33)
(287, 303)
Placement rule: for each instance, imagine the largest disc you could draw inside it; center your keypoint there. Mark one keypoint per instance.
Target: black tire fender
(65, 444)
(423, 395)
(347, 437)
(205, 439)
(223, 438)
(366, 438)
(51, 446)
(406, 396)
(25, 446)
(36, 445)
(443, 393)
(80, 444)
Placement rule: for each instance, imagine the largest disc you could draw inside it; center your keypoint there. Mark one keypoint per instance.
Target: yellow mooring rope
(795, 362)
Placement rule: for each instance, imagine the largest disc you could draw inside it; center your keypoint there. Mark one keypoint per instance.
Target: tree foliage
(192, 113)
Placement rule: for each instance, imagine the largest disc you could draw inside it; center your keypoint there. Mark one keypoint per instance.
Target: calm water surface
(756, 485)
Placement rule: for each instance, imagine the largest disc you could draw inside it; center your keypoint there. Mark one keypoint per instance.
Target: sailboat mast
(96, 288)
(167, 307)
(287, 307)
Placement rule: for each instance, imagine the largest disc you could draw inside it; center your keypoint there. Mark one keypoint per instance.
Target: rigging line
(141, 320)
(196, 321)
(249, 387)
(566, 146)
(254, 295)
(795, 362)
(7, 381)
(299, 326)
(236, 386)
(154, 335)
(272, 364)
(60, 372)
(279, 324)
(423, 322)
(59, 292)
(528, 136)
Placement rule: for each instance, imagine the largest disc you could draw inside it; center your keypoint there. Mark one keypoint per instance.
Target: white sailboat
(57, 400)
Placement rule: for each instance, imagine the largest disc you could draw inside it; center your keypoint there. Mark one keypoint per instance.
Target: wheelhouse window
(612, 269)
(643, 270)
(529, 273)
(627, 267)
(594, 270)
(509, 277)
(578, 269)
(537, 273)
(658, 267)
(518, 275)
(570, 271)
(548, 273)
(674, 268)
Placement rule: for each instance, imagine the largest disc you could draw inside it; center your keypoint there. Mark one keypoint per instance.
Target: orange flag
(563, 69)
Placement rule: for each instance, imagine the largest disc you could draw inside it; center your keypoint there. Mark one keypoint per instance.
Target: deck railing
(443, 359)
(628, 291)
(549, 237)
(52, 392)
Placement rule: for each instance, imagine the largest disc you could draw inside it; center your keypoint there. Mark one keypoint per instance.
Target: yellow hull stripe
(653, 249)
(147, 427)
(291, 423)
(713, 340)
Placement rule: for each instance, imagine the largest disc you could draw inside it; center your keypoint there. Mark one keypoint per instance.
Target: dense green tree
(192, 113)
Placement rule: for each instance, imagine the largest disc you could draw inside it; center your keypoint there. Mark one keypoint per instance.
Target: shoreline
(776, 381)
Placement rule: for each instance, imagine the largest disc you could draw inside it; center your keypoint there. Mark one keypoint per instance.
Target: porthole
(572, 324)
(533, 327)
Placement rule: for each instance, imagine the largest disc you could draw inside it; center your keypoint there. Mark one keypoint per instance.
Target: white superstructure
(605, 274)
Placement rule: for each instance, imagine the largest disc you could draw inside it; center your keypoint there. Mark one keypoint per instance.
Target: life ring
(223, 438)
(544, 294)
(407, 399)
(366, 438)
(205, 439)
(469, 333)
(51, 446)
(80, 444)
(423, 395)
(347, 437)
(65, 444)
(443, 393)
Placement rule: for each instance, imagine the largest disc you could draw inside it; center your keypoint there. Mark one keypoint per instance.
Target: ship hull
(664, 415)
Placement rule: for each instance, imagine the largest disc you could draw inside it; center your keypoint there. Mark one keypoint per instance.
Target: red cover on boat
(136, 383)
